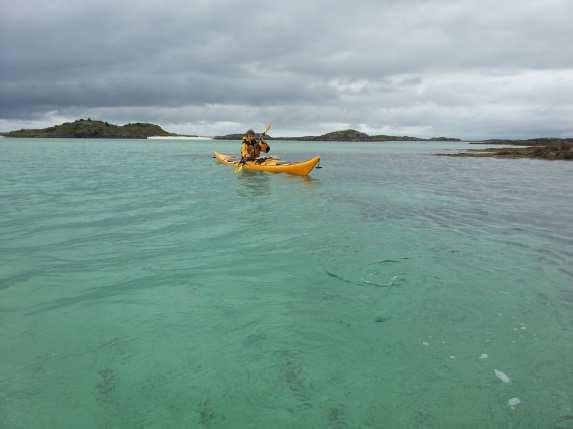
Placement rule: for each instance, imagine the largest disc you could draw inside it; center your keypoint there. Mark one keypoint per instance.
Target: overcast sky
(467, 68)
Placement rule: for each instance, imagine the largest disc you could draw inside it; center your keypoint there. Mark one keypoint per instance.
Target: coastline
(178, 138)
(551, 150)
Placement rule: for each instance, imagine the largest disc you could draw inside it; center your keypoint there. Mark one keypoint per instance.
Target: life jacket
(248, 149)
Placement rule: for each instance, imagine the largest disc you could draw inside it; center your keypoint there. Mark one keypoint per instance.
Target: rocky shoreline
(541, 141)
(545, 148)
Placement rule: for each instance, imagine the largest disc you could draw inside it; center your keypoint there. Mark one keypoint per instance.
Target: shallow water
(143, 285)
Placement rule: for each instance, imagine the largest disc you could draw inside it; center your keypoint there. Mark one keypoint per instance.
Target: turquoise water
(142, 285)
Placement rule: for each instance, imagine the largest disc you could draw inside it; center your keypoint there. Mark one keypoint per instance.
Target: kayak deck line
(271, 165)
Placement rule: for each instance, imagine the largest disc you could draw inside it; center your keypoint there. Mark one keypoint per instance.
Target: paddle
(269, 126)
(242, 162)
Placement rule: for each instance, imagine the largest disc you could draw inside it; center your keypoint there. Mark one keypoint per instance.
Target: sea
(144, 285)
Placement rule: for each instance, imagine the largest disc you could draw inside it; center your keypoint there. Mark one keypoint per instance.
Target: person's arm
(244, 152)
(264, 146)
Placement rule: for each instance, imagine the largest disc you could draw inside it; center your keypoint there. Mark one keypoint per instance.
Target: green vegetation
(86, 128)
(344, 136)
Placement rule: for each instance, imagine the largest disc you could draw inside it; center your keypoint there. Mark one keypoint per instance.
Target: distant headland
(344, 136)
(540, 148)
(87, 128)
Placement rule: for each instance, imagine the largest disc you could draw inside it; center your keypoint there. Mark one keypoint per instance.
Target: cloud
(466, 68)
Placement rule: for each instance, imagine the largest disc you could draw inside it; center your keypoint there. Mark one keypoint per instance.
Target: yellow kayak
(302, 168)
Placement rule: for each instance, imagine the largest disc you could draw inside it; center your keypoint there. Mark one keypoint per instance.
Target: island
(539, 148)
(344, 136)
(87, 128)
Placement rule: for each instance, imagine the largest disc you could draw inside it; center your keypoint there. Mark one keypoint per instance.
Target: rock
(502, 376)
(553, 150)
(513, 402)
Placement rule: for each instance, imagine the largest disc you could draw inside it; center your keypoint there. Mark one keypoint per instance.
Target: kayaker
(251, 148)
(248, 146)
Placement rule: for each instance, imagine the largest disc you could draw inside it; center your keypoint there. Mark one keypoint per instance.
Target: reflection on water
(253, 184)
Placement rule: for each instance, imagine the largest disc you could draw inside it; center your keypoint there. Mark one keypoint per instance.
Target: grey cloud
(467, 67)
